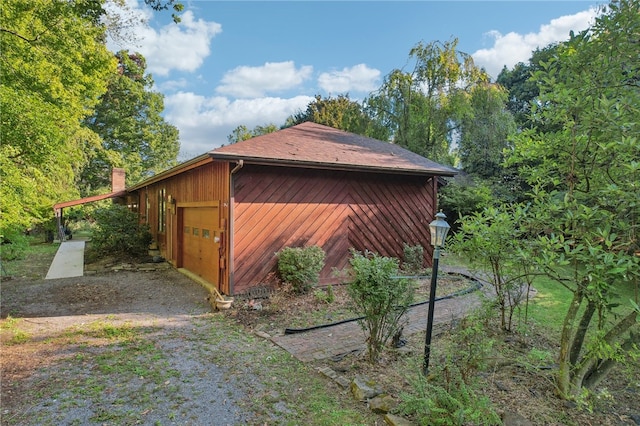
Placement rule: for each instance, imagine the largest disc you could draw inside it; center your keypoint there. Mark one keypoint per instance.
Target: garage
(201, 240)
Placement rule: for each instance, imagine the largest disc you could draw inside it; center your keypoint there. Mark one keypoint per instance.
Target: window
(162, 210)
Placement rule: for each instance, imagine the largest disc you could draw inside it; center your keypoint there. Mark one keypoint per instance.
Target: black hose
(476, 286)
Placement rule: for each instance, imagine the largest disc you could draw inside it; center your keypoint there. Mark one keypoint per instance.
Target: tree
(493, 241)
(484, 131)
(54, 67)
(242, 133)
(421, 107)
(134, 134)
(522, 88)
(340, 113)
(585, 207)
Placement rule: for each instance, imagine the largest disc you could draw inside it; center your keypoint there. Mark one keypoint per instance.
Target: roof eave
(331, 166)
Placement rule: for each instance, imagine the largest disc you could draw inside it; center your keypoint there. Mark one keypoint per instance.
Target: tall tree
(522, 88)
(484, 131)
(587, 171)
(341, 113)
(421, 107)
(54, 66)
(134, 134)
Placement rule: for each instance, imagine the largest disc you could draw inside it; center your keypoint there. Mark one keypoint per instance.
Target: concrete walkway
(342, 339)
(68, 262)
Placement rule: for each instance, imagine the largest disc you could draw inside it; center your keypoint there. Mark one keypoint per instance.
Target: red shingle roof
(314, 145)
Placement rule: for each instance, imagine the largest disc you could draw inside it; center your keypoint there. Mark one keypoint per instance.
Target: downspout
(239, 165)
(230, 256)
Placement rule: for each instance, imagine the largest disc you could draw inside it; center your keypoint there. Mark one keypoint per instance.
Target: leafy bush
(454, 402)
(13, 244)
(119, 233)
(413, 258)
(450, 396)
(379, 298)
(325, 296)
(300, 267)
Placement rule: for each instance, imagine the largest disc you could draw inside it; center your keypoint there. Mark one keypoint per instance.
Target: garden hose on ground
(476, 286)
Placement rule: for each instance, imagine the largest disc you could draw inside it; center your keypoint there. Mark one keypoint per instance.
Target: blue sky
(253, 63)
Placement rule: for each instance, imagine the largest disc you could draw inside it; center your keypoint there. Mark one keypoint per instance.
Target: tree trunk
(566, 343)
(592, 369)
(581, 332)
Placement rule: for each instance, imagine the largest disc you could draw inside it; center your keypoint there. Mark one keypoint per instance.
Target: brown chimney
(117, 180)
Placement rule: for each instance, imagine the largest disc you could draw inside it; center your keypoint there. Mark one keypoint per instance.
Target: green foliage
(119, 233)
(485, 127)
(582, 161)
(300, 267)
(493, 241)
(325, 296)
(134, 134)
(54, 68)
(449, 395)
(242, 133)
(454, 402)
(421, 107)
(13, 244)
(412, 259)
(461, 197)
(341, 113)
(378, 297)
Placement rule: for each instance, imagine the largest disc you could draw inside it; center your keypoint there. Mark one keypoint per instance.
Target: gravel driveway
(124, 348)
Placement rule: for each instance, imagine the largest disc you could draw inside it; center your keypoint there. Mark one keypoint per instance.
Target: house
(224, 215)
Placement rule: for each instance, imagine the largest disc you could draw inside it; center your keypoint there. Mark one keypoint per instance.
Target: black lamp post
(439, 229)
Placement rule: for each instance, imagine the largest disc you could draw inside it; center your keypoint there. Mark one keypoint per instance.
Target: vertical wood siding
(208, 182)
(276, 207)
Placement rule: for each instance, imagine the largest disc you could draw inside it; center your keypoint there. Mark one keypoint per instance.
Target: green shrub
(119, 233)
(381, 300)
(449, 395)
(13, 244)
(325, 296)
(454, 402)
(300, 267)
(413, 258)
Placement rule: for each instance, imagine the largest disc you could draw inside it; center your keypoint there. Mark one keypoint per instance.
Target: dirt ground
(56, 328)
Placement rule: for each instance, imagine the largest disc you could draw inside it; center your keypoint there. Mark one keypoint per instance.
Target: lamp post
(439, 229)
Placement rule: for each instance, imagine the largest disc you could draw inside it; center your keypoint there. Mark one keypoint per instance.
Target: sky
(232, 63)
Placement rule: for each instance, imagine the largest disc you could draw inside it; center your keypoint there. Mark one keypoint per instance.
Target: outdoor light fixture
(439, 229)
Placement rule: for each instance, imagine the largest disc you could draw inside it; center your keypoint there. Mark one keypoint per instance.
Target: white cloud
(172, 85)
(358, 78)
(182, 46)
(511, 48)
(272, 77)
(205, 123)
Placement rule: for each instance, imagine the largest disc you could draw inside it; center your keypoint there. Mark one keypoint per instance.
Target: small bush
(325, 296)
(379, 298)
(300, 267)
(119, 233)
(13, 244)
(454, 402)
(413, 258)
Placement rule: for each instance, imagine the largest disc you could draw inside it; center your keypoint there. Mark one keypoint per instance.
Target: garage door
(200, 242)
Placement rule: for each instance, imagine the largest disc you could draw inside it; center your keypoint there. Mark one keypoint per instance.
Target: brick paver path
(344, 338)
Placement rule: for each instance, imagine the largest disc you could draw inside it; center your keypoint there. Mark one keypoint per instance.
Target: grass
(35, 263)
(11, 327)
(292, 390)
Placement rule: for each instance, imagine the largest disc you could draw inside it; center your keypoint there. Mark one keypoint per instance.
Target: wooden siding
(276, 207)
(205, 183)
